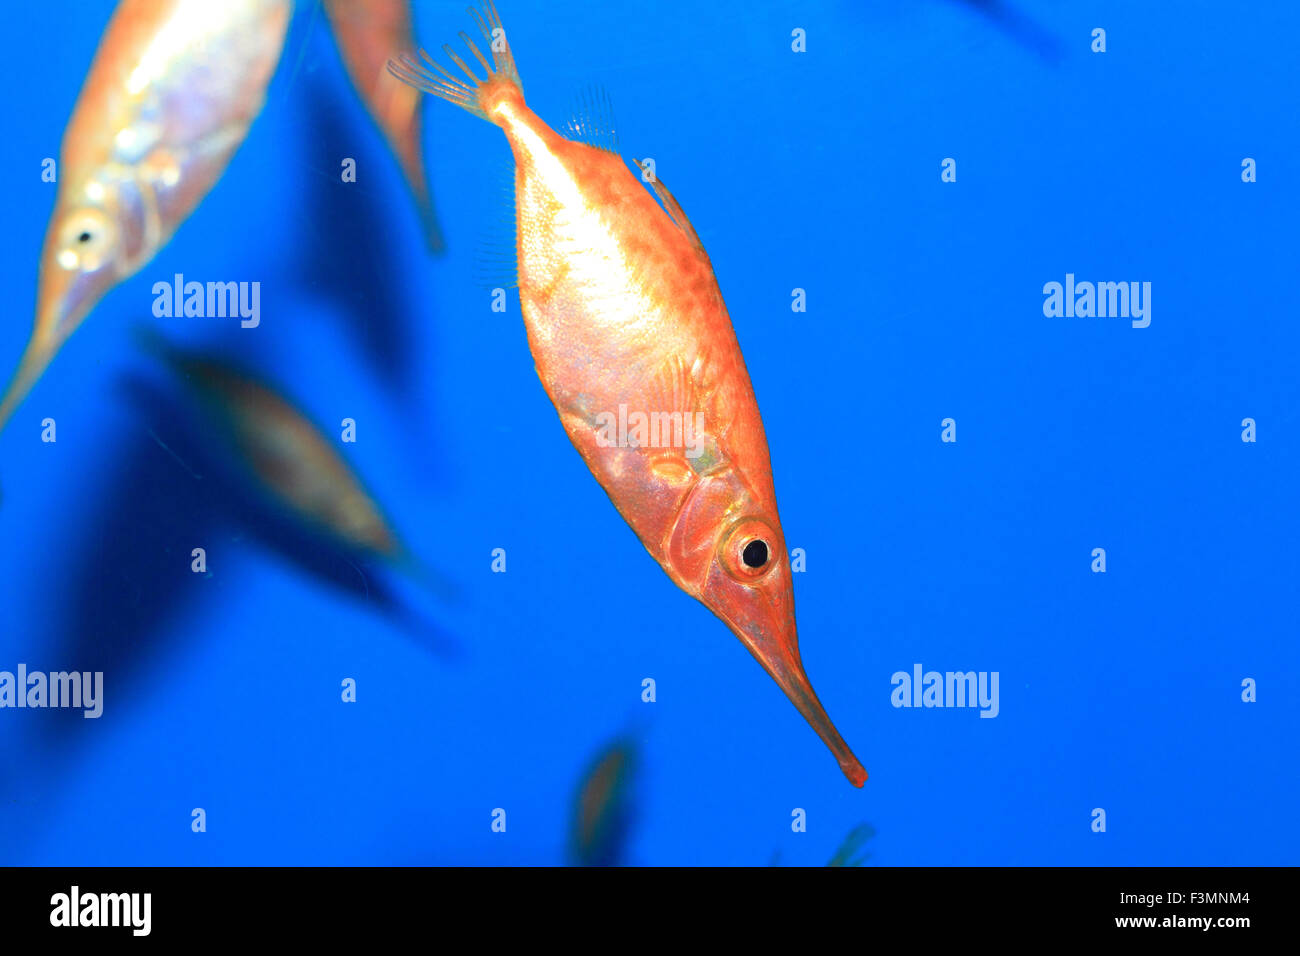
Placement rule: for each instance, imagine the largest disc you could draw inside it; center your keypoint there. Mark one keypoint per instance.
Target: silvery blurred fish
(368, 32)
(170, 95)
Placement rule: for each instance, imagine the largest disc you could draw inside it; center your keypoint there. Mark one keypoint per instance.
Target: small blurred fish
(289, 457)
(858, 836)
(368, 32)
(844, 854)
(602, 809)
(170, 95)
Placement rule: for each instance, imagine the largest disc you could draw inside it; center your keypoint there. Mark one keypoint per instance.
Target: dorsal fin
(592, 120)
(671, 206)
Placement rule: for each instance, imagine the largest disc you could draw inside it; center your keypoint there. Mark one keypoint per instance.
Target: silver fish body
(170, 96)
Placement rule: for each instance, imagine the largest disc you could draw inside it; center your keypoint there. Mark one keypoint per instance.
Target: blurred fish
(858, 836)
(170, 95)
(291, 459)
(623, 312)
(602, 810)
(368, 32)
(844, 854)
(1018, 26)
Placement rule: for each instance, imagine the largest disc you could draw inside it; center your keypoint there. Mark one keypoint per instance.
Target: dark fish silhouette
(1019, 26)
(287, 454)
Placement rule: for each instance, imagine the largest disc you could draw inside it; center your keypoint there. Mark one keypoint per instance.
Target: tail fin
(469, 93)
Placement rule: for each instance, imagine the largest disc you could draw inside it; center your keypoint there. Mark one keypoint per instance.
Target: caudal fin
(468, 92)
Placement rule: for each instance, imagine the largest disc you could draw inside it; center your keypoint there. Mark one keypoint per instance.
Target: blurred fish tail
(428, 215)
(437, 584)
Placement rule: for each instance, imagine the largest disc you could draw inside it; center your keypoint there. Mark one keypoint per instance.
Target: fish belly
(597, 382)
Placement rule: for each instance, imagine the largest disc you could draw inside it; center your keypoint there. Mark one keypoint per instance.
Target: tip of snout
(854, 771)
(791, 678)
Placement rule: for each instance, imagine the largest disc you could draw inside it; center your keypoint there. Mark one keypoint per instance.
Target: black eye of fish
(755, 554)
(84, 237)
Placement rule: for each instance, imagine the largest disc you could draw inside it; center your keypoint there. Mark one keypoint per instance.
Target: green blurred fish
(857, 838)
(290, 458)
(603, 807)
(844, 854)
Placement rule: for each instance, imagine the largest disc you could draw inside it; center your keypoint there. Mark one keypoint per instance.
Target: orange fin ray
(592, 119)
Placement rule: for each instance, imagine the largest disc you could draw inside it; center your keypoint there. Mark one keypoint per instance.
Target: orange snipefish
(368, 32)
(172, 91)
(626, 325)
